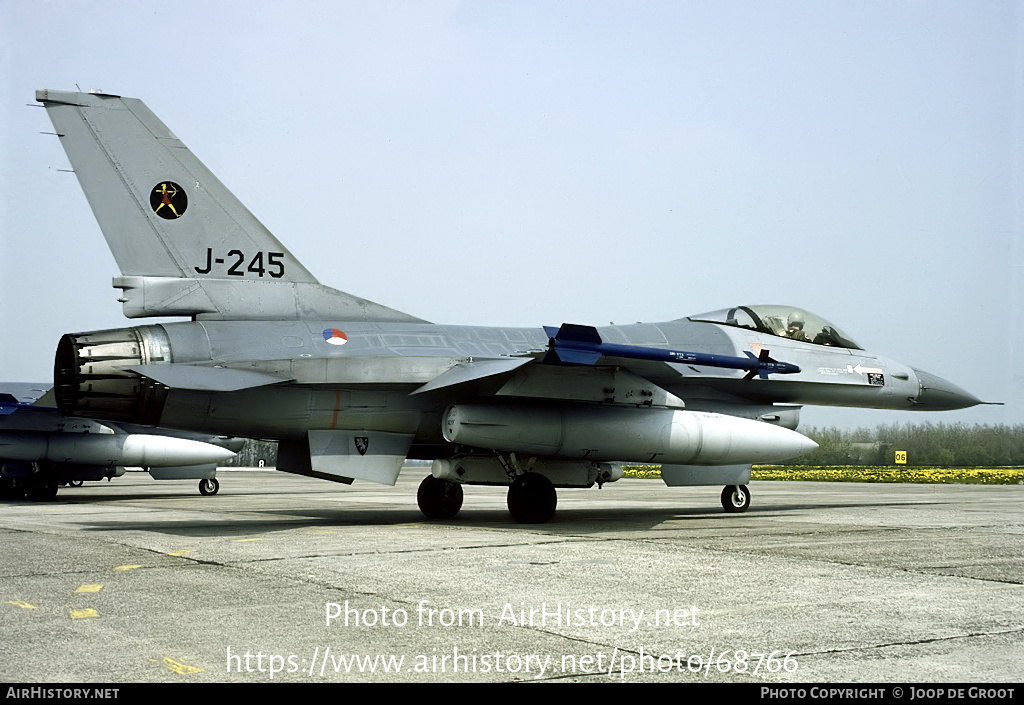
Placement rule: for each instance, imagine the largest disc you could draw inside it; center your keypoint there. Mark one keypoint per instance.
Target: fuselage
(355, 375)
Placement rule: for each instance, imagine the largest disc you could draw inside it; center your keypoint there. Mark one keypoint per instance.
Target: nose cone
(936, 394)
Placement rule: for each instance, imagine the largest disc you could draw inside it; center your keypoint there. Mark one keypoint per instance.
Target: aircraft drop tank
(625, 434)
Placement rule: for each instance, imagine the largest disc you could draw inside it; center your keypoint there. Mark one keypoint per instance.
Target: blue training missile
(582, 345)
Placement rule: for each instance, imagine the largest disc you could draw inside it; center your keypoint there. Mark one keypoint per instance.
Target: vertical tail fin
(184, 243)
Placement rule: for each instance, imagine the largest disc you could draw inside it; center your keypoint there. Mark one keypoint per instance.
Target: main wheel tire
(209, 486)
(735, 498)
(11, 489)
(532, 499)
(439, 499)
(42, 490)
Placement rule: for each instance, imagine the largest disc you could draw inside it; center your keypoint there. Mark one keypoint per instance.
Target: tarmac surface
(286, 579)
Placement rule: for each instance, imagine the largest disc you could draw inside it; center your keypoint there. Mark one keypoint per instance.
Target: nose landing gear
(735, 498)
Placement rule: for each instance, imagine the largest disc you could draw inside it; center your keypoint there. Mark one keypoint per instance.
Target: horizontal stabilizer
(206, 379)
(375, 456)
(19, 395)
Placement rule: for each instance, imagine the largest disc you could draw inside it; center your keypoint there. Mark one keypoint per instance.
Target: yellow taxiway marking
(181, 552)
(89, 588)
(127, 567)
(173, 664)
(243, 540)
(22, 605)
(84, 613)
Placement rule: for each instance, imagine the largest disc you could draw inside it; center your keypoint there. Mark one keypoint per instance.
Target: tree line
(926, 444)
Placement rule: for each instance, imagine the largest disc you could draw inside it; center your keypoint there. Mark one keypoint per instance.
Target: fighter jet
(351, 388)
(41, 449)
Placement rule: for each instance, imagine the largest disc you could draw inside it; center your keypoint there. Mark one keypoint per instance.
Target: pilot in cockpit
(795, 328)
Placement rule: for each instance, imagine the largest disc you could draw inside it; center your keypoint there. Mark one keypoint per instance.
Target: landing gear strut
(735, 498)
(532, 498)
(439, 499)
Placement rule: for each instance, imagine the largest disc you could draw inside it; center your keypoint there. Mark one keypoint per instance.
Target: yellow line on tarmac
(180, 667)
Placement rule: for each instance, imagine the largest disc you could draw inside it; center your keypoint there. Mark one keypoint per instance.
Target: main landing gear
(439, 499)
(531, 498)
(34, 488)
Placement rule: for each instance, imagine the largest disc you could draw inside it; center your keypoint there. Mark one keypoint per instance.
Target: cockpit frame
(782, 321)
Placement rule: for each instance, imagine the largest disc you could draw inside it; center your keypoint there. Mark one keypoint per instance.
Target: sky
(533, 163)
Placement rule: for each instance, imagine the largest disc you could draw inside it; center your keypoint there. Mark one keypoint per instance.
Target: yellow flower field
(857, 473)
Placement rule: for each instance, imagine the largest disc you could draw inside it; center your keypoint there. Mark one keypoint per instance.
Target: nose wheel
(735, 498)
(209, 486)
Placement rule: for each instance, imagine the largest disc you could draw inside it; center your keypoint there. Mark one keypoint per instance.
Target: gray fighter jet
(351, 388)
(41, 449)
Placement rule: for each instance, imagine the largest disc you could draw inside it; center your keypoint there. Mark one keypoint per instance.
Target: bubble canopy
(782, 321)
